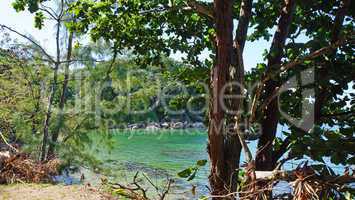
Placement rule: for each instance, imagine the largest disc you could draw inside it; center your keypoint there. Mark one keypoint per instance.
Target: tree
(224, 47)
(269, 155)
(42, 12)
(197, 24)
(270, 120)
(192, 26)
(63, 97)
(20, 77)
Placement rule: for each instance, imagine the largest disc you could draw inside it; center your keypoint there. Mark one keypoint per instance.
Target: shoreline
(153, 126)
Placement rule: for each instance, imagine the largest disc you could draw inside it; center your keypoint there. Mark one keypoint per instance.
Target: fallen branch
(8, 144)
(135, 190)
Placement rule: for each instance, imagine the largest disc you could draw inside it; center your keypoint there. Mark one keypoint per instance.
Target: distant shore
(163, 126)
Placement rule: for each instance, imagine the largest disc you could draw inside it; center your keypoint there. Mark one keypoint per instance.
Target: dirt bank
(48, 192)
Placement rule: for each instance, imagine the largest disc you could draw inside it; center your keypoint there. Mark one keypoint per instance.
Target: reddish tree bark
(264, 158)
(224, 41)
(236, 75)
(321, 94)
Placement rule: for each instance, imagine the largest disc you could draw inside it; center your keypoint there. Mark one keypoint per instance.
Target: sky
(24, 23)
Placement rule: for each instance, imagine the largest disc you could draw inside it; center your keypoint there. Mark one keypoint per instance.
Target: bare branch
(50, 9)
(8, 144)
(201, 8)
(114, 56)
(248, 154)
(49, 13)
(31, 40)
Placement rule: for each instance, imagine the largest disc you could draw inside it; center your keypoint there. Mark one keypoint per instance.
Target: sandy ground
(48, 192)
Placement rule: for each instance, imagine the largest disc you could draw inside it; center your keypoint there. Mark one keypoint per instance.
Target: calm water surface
(159, 154)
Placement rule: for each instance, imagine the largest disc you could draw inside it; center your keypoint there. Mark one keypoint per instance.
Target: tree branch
(201, 8)
(8, 144)
(288, 66)
(50, 9)
(29, 39)
(49, 13)
(243, 23)
(338, 114)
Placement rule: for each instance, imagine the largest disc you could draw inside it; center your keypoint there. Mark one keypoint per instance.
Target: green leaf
(306, 62)
(201, 163)
(203, 198)
(185, 173)
(19, 5)
(32, 6)
(39, 19)
(120, 192)
(193, 175)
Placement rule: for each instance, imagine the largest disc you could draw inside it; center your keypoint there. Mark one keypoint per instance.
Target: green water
(159, 154)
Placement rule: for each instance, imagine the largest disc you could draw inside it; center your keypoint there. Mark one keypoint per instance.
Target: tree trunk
(33, 117)
(49, 113)
(321, 93)
(243, 23)
(236, 75)
(51, 96)
(62, 100)
(264, 158)
(219, 178)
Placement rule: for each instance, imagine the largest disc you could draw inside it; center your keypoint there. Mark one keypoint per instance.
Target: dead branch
(29, 39)
(8, 144)
(137, 191)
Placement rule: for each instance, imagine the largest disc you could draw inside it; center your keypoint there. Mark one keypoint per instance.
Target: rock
(198, 125)
(165, 125)
(135, 126)
(152, 127)
(177, 125)
(185, 124)
(155, 124)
